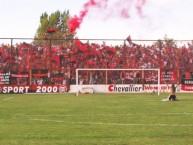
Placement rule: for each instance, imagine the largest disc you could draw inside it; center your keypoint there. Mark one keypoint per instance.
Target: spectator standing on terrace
(91, 79)
(40, 81)
(64, 81)
(81, 81)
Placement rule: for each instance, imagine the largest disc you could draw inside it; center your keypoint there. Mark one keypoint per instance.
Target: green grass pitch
(95, 119)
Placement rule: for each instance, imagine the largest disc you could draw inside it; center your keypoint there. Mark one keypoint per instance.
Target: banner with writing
(5, 78)
(6, 89)
(187, 87)
(169, 76)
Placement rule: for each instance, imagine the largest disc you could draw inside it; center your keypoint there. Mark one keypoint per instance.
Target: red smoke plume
(121, 7)
(139, 5)
(75, 21)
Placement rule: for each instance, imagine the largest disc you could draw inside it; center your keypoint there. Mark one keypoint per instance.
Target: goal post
(106, 71)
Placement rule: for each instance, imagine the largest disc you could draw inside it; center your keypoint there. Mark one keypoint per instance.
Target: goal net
(116, 80)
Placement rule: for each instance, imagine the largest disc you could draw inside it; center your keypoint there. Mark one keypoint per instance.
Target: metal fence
(54, 61)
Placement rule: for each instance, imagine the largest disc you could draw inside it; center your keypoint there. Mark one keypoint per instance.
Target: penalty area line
(8, 98)
(114, 124)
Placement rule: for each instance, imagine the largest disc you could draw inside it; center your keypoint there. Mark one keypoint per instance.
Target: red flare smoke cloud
(75, 21)
(121, 6)
(139, 5)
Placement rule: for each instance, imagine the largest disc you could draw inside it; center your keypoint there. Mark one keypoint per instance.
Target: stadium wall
(131, 88)
(112, 88)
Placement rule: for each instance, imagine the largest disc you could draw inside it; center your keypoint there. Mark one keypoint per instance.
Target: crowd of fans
(61, 60)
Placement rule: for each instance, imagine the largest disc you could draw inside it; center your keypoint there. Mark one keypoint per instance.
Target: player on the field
(172, 96)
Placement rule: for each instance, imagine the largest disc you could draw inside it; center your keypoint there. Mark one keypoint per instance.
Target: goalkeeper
(172, 96)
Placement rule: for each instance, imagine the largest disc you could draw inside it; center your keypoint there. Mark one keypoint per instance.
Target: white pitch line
(156, 114)
(8, 98)
(56, 115)
(115, 124)
(183, 113)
